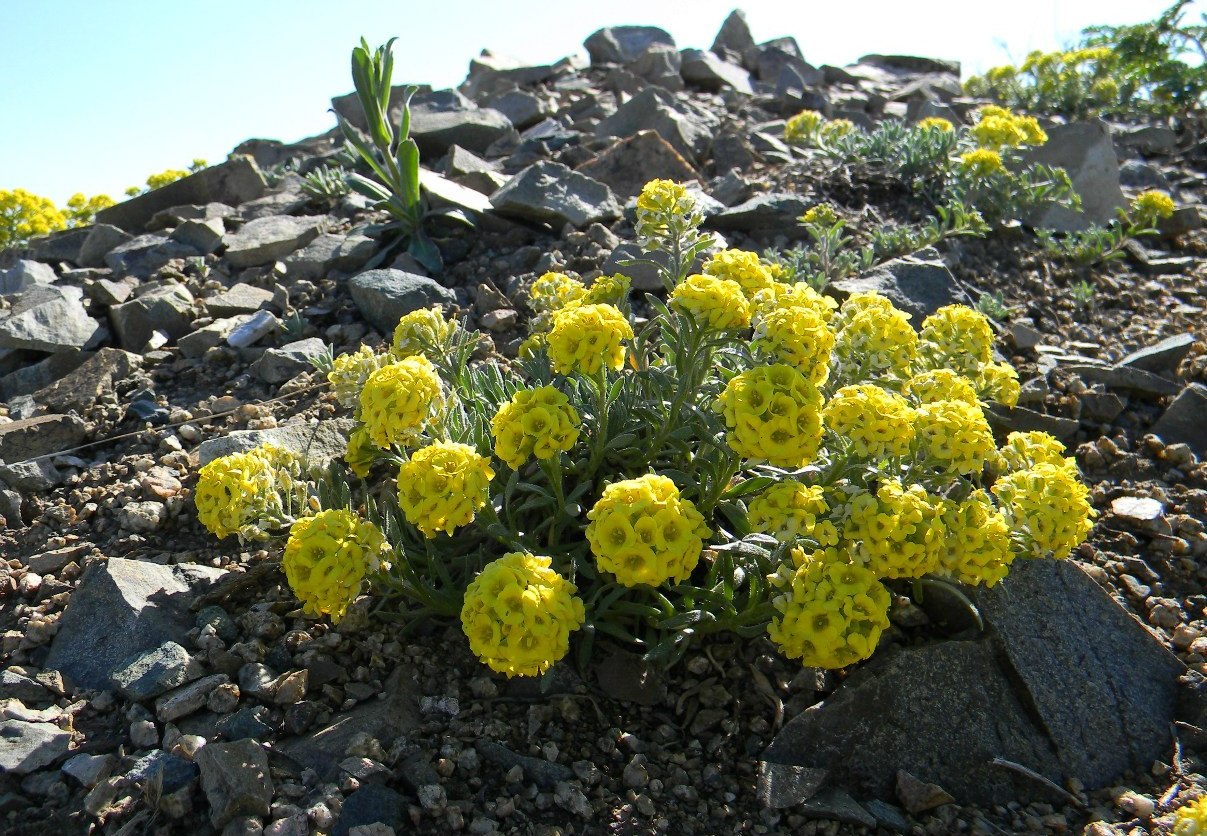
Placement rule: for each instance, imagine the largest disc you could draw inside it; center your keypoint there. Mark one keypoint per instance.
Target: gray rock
(522, 109)
(545, 774)
(171, 772)
(265, 240)
(372, 804)
(1151, 139)
(167, 308)
(784, 785)
(660, 65)
(1141, 175)
(1021, 419)
(287, 198)
(25, 747)
(256, 327)
(733, 38)
(706, 71)
(101, 240)
(318, 443)
(140, 257)
(64, 245)
(837, 805)
(235, 181)
(235, 779)
(1100, 406)
(912, 64)
(186, 699)
(277, 365)
(1162, 357)
(88, 381)
(330, 252)
(918, 284)
(439, 123)
(239, 299)
(31, 477)
(627, 165)
(490, 74)
(551, 193)
(45, 435)
(1123, 378)
(774, 212)
(385, 296)
(23, 274)
(196, 343)
(888, 816)
(122, 607)
(16, 686)
(1182, 421)
(1085, 151)
(623, 44)
(150, 673)
(656, 109)
(203, 236)
(48, 318)
(89, 770)
(785, 54)
(29, 379)
(249, 722)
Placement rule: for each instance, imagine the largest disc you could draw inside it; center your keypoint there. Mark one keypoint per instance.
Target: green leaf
(687, 619)
(425, 251)
(748, 486)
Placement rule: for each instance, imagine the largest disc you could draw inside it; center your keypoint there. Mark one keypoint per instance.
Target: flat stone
(235, 181)
(31, 477)
(919, 796)
(1101, 406)
(54, 561)
(150, 673)
(171, 772)
(92, 379)
(660, 65)
(44, 435)
(1123, 378)
(23, 274)
(327, 253)
(119, 608)
(436, 127)
(522, 109)
(16, 686)
(623, 44)
(385, 296)
(656, 109)
(235, 779)
(770, 213)
(266, 240)
(626, 166)
(912, 64)
(29, 379)
(250, 331)
(545, 774)
(1182, 421)
(918, 284)
(63, 245)
(167, 308)
(1086, 152)
(888, 816)
(836, 805)
(48, 318)
(196, 343)
(203, 236)
(708, 72)
(277, 365)
(1162, 357)
(140, 257)
(549, 192)
(240, 298)
(370, 805)
(1021, 419)
(490, 73)
(784, 785)
(102, 239)
(1138, 509)
(109, 292)
(318, 443)
(88, 770)
(1024, 336)
(442, 192)
(186, 699)
(25, 747)
(248, 722)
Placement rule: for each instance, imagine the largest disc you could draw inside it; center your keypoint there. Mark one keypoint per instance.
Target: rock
(1123, 378)
(122, 607)
(268, 239)
(659, 65)
(783, 785)
(63, 245)
(837, 805)
(708, 72)
(1182, 421)
(918, 796)
(329, 252)
(385, 296)
(1150, 139)
(1141, 175)
(1102, 407)
(918, 284)
(140, 257)
(624, 44)
(545, 774)
(167, 308)
(656, 109)
(522, 109)
(624, 676)
(91, 380)
(186, 699)
(239, 299)
(912, 64)
(626, 166)
(25, 747)
(733, 38)
(250, 722)
(235, 779)
(1162, 357)
(15, 686)
(24, 274)
(1085, 151)
(48, 318)
(784, 54)
(42, 436)
(250, 331)
(369, 805)
(770, 213)
(549, 192)
(31, 477)
(171, 772)
(888, 816)
(203, 236)
(150, 673)
(1023, 335)
(143, 734)
(142, 517)
(276, 365)
(235, 181)
(318, 443)
(1021, 419)
(442, 193)
(89, 770)
(31, 378)
(1140, 511)
(490, 73)
(1184, 219)
(196, 343)
(440, 120)
(101, 240)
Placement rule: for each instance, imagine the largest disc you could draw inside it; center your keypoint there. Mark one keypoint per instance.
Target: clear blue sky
(97, 94)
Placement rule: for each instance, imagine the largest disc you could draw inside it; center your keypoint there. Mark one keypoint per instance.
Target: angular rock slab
(317, 443)
(48, 318)
(622, 44)
(1183, 419)
(918, 284)
(1065, 682)
(122, 607)
(1086, 152)
(235, 181)
(235, 779)
(626, 166)
(25, 747)
(551, 193)
(385, 296)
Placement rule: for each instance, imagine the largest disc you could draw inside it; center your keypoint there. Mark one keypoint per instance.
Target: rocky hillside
(157, 680)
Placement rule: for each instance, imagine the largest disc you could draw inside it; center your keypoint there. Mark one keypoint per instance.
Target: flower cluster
(1191, 819)
(877, 422)
(956, 435)
(998, 127)
(874, 340)
(535, 422)
(586, 338)
(773, 413)
(941, 385)
(958, 338)
(802, 128)
(643, 532)
(717, 304)
(662, 207)
(936, 123)
(518, 614)
(1025, 450)
(1047, 507)
(896, 531)
(796, 335)
(745, 268)
(421, 332)
(24, 215)
(249, 493)
(789, 511)
(976, 548)
(1152, 205)
(399, 399)
(328, 557)
(441, 487)
(981, 162)
(350, 371)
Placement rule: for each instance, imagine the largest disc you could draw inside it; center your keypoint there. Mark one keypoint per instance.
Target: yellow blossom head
(896, 531)
(977, 546)
(789, 510)
(327, 558)
(361, 452)
(664, 208)
(588, 337)
(1025, 450)
(1048, 509)
(941, 385)
(422, 331)
(822, 214)
(249, 493)
(876, 422)
(981, 162)
(518, 614)
(832, 129)
(1191, 819)
(608, 290)
(717, 304)
(350, 371)
(958, 338)
(874, 340)
(441, 487)
(399, 399)
(1152, 205)
(935, 123)
(801, 129)
(797, 336)
(773, 414)
(535, 422)
(554, 291)
(745, 268)
(998, 382)
(955, 435)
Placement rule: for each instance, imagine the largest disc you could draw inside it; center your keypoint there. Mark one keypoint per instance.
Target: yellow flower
(1047, 507)
(24, 215)
(1025, 450)
(1152, 205)
(800, 295)
(643, 532)
(958, 338)
(834, 128)
(350, 371)
(999, 128)
(830, 610)
(874, 340)
(1191, 819)
(801, 129)
(822, 214)
(877, 422)
(935, 123)
(249, 493)
(361, 452)
(982, 162)
(789, 510)
(442, 486)
(977, 547)
(422, 331)
(554, 291)
(82, 210)
(718, 304)
(518, 614)
(956, 434)
(941, 385)
(608, 290)
(773, 413)
(588, 337)
(161, 179)
(797, 336)
(896, 532)
(998, 382)
(742, 267)
(538, 422)
(662, 207)
(327, 558)
(399, 399)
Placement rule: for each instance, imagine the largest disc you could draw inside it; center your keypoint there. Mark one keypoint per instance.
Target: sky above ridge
(94, 96)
